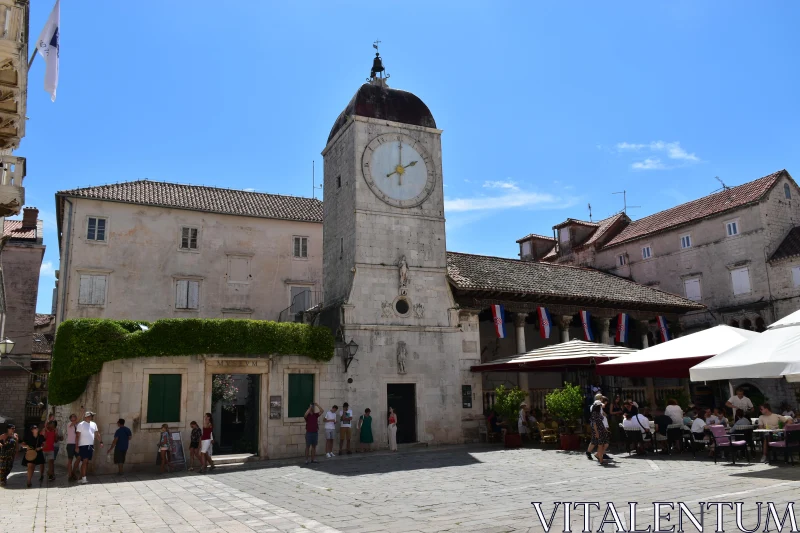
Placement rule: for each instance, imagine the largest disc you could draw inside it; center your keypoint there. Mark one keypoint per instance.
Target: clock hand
(410, 164)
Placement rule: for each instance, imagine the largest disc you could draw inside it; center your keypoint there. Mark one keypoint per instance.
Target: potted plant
(566, 404)
(506, 404)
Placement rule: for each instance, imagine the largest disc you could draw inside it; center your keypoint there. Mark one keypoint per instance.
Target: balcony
(12, 193)
(13, 72)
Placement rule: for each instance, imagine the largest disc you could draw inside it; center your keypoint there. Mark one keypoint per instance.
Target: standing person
(615, 412)
(312, 431)
(345, 426)
(330, 430)
(365, 430)
(122, 437)
(59, 436)
(85, 435)
(9, 445)
(599, 431)
(73, 423)
(194, 444)
(206, 443)
(522, 420)
(739, 401)
(49, 449)
(392, 430)
(164, 448)
(33, 445)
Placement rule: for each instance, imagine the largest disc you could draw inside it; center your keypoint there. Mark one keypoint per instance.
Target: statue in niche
(419, 310)
(402, 354)
(403, 272)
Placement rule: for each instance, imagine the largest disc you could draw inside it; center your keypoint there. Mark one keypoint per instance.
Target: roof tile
(790, 247)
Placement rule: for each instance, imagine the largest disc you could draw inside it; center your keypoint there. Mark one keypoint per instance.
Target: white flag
(48, 49)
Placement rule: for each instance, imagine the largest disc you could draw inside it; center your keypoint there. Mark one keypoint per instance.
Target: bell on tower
(377, 75)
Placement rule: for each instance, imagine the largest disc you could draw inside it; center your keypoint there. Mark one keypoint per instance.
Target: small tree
(223, 390)
(566, 404)
(506, 404)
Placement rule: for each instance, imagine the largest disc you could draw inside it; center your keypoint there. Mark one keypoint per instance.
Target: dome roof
(374, 101)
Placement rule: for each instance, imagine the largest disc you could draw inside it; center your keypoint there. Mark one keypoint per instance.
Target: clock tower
(385, 267)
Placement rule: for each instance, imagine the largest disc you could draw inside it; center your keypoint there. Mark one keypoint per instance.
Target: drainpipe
(65, 267)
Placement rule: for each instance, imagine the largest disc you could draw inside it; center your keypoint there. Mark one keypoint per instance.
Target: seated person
(710, 419)
(767, 420)
(741, 420)
(494, 425)
(674, 411)
(662, 421)
(787, 411)
(634, 420)
(720, 416)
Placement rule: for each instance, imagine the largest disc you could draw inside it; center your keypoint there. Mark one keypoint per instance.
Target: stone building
(148, 250)
(21, 258)
(735, 251)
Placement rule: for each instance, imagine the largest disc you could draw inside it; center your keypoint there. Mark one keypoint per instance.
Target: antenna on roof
(625, 205)
(724, 187)
(314, 186)
(590, 212)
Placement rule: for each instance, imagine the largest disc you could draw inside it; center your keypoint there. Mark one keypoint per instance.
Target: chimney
(29, 216)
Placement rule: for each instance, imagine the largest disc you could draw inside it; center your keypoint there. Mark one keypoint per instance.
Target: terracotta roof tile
(208, 199)
(42, 320)
(712, 204)
(790, 247)
(14, 229)
(571, 221)
(536, 236)
(42, 343)
(480, 272)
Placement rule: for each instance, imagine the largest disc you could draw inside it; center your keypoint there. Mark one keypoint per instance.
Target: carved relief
(402, 355)
(386, 309)
(419, 310)
(403, 270)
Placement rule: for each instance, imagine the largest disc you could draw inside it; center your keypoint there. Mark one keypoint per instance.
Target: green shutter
(301, 393)
(164, 398)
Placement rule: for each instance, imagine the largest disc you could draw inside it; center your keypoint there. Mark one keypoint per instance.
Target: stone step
(234, 458)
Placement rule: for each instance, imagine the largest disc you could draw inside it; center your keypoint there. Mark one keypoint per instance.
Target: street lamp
(348, 353)
(6, 346)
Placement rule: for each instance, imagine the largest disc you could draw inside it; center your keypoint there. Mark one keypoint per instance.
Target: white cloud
(508, 200)
(623, 146)
(47, 270)
(509, 185)
(648, 164)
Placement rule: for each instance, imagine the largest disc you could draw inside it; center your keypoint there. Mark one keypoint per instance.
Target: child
(163, 448)
(194, 444)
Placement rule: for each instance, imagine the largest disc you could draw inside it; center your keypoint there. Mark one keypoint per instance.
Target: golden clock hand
(410, 164)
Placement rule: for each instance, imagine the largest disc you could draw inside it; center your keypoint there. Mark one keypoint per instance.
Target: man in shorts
(85, 435)
(312, 430)
(122, 438)
(330, 430)
(345, 427)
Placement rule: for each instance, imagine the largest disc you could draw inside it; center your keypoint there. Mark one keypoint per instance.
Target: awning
(789, 320)
(674, 358)
(556, 357)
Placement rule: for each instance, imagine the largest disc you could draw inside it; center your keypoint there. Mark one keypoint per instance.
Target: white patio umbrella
(772, 354)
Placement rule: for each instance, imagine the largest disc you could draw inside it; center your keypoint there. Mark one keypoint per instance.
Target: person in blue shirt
(122, 439)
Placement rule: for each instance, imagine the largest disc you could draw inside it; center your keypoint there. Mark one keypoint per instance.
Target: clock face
(398, 170)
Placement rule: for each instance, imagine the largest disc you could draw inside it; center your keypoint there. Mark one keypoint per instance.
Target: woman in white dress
(392, 430)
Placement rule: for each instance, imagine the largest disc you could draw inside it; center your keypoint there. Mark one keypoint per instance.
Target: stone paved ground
(460, 488)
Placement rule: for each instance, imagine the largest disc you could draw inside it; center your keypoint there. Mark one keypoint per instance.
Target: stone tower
(385, 271)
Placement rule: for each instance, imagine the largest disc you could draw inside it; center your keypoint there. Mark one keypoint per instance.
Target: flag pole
(30, 61)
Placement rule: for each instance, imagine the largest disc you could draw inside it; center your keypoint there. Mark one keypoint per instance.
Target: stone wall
(13, 392)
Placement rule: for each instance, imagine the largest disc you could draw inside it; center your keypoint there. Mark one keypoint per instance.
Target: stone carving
(419, 311)
(402, 355)
(386, 309)
(403, 265)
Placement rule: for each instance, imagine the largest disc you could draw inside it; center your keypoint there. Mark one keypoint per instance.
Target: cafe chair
(547, 435)
(723, 441)
(790, 443)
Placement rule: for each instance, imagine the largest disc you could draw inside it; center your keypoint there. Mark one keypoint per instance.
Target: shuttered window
(92, 290)
(164, 398)
(740, 279)
(301, 394)
(692, 287)
(188, 238)
(187, 294)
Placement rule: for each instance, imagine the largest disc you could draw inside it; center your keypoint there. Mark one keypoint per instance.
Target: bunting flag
(586, 322)
(48, 48)
(663, 327)
(499, 316)
(545, 322)
(623, 324)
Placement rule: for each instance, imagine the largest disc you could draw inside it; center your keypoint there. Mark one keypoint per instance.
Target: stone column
(563, 323)
(522, 377)
(650, 390)
(604, 336)
(645, 325)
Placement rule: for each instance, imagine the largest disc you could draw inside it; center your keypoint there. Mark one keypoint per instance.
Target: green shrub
(83, 345)
(565, 404)
(506, 404)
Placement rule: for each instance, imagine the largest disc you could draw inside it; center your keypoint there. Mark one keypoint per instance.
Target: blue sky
(544, 107)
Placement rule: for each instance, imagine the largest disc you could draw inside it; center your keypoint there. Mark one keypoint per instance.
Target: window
(92, 289)
(301, 394)
(692, 288)
(686, 241)
(526, 248)
(188, 238)
(564, 234)
(621, 260)
(301, 299)
(796, 276)
(647, 252)
(96, 229)
(187, 294)
(163, 398)
(301, 247)
(787, 191)
(740, 278)
(238, 269)
(732, 227)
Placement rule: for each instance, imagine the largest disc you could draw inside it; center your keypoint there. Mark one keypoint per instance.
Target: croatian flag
(499, 315)
(48, 48)
(586, 321)
(545, 322)
(663, 328)
(623, 325)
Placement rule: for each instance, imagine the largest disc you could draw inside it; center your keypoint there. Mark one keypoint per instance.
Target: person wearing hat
(9, 444)
(33, 445)
(85, 435)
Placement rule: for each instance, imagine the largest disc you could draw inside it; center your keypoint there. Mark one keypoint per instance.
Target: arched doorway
(752, 392)
(746, 324)
(734, 323)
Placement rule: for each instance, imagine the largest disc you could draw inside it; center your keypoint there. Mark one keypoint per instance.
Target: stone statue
(402, 354)
(419, 311)
(403, 272)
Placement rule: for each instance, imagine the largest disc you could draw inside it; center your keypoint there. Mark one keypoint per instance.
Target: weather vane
(378, 72)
